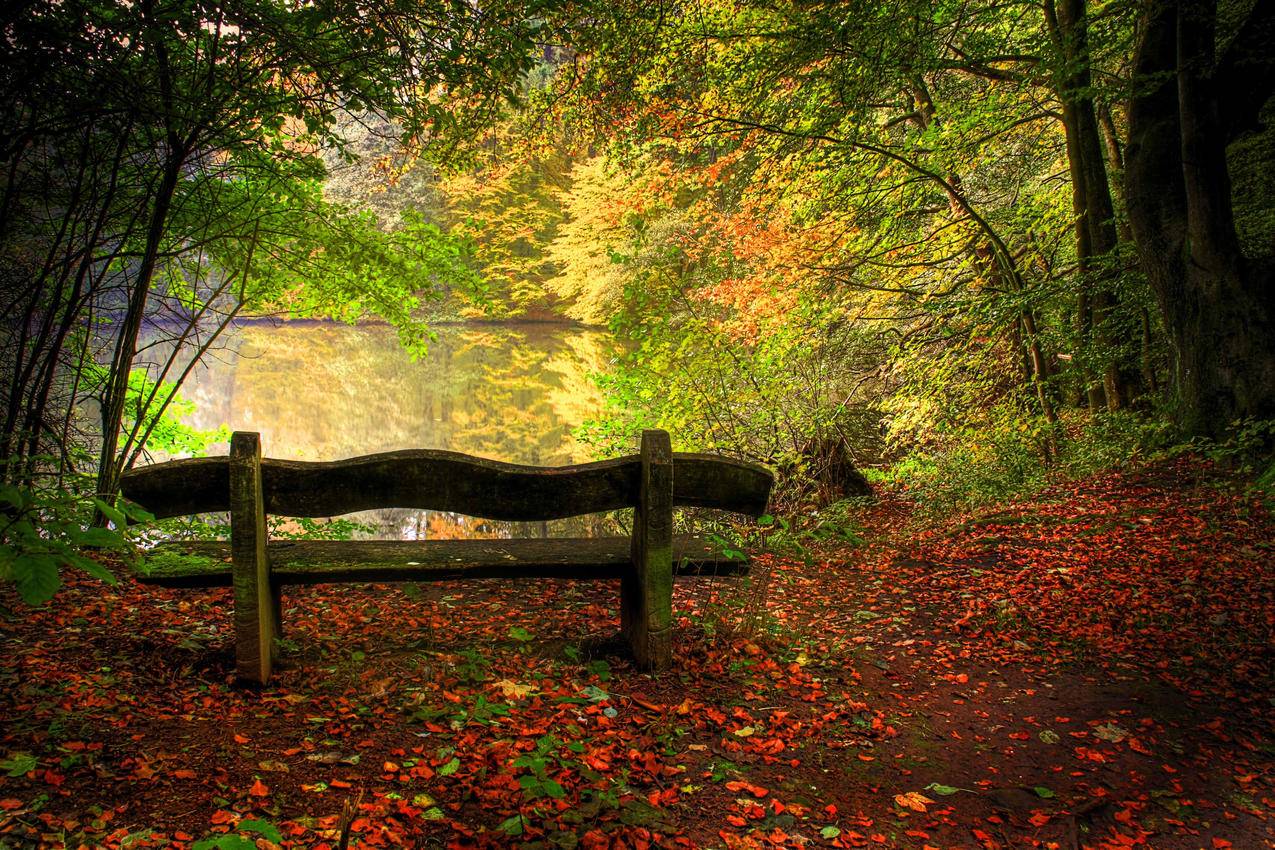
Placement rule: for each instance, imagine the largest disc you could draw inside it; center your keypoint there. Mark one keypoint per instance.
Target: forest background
(959, 248)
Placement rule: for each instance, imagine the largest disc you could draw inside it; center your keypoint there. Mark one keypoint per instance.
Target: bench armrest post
(646, 592)
(255, 605)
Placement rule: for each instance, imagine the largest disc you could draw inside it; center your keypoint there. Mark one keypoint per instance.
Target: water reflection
(318, 391)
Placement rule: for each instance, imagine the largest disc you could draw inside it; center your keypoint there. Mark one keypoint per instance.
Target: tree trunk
(1218, 309)
(110, 459)
(1115, 382)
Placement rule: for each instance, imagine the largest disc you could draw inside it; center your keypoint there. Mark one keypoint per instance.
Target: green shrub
(44, 529)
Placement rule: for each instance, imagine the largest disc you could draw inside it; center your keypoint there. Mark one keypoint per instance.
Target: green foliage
(537, 782)
(305, 528)
(217, 527)
(19, 764)
(43, 530)
(243, 838)
(155, 410)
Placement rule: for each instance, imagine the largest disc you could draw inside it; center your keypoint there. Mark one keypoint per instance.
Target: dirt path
(1090, 670)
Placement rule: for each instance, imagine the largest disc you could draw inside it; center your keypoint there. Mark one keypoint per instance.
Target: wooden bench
(652, 482)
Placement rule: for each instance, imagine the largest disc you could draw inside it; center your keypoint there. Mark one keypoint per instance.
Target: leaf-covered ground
(1092, 668)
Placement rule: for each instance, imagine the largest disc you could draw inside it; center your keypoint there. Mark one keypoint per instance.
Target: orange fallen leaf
(914, 800)
(259, 789)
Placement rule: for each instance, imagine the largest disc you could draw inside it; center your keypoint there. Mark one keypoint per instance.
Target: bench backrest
(425, 479)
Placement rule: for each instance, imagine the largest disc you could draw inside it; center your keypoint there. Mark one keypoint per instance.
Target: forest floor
(1091, 668)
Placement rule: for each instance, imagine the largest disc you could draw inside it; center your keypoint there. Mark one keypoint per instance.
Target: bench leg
(646, 593)
(255, 600)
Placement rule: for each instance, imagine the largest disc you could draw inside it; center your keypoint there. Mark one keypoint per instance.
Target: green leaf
(264, 828)
(11, 495)
(136, 512)
(519, 633)
(112, 513)
(830, 832)
(19, 764)
(941, 790)
(96, 569)
(102, 538)
(36, 577)
(449, 768)
(225, 842)
(1044, 793)
(511, 826)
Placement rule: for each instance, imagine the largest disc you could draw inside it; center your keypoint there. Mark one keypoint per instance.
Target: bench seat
(326, 561)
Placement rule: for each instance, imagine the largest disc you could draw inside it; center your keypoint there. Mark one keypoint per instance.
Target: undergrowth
(1019, 459)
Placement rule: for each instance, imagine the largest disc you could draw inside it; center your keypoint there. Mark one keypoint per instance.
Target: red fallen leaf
(1221, 843)
(339, 783)
(184, 773)
(736, 820)
(183, 836)
(222, 816)
(755, 790)
(259, 789)
(9, 804)
(241, 739)
(981, 836)
(1039, 819)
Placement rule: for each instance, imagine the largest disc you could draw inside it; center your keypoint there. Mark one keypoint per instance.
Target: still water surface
(319, 391)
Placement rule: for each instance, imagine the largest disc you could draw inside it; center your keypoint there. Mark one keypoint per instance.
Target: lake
(323, 391)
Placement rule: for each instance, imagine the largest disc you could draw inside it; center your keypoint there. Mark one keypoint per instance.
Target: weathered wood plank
(723, 483)
(329, 561)
(197, 485)
(256, 612)
(646, 591)
(446, 481)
